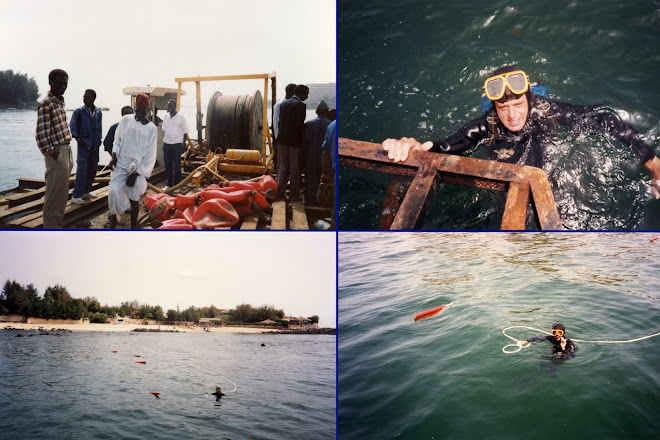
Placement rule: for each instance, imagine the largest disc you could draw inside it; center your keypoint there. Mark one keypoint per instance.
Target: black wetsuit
(567, 353)
(218, 395)
(527, 146)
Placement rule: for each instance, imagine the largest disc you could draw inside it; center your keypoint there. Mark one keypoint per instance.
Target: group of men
(301, 145)
(132, 143)
(308, 146)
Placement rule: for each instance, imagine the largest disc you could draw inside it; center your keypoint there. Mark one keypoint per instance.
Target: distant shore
(126, 328)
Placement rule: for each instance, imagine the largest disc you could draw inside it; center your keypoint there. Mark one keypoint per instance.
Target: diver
(562, 347)
(519, 122)
(218, 393)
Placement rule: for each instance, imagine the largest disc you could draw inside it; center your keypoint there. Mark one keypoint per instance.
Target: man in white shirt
(133, 159)
(175, 131)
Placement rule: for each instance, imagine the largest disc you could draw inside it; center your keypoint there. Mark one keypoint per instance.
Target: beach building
(300, 323)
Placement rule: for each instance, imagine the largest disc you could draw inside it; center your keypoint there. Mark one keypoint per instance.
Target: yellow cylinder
(243, 156)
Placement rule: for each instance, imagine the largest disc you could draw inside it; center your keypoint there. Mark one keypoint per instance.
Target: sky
(293, 271)
(108, 45)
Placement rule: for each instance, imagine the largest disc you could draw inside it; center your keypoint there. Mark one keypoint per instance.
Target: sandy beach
(125, 328)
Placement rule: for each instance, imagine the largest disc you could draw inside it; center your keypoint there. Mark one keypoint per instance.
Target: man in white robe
(133, 159)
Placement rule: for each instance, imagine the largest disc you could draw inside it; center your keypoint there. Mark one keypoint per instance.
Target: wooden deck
(22, 207)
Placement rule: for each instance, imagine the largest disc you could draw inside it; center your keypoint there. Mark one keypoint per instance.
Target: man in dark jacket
(290, 142)
(86, 124)
(110, 137)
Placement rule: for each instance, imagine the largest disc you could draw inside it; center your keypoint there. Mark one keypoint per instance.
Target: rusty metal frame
(428, 169)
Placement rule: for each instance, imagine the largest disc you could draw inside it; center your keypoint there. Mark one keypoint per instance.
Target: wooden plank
(393, 198)
(278, 221)
(417, 199)
(31, 183)
(225, 77)
(72, 212)
(482, 173)
(515, 210)
(250, 222)
(544, 203)
(299, 220)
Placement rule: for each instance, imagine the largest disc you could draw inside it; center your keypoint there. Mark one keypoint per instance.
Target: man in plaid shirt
(53, 138)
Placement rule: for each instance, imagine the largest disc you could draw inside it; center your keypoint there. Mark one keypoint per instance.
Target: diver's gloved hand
(113, 161)
(130, 181)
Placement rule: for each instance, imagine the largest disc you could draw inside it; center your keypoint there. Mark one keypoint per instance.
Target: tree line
(17, 90)
(57, 303)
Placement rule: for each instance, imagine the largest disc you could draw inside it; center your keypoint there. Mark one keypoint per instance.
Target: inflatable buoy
(140, 362)
(114, 351)
(163, 209)
(176, 223)
(430, 312)
(269, 187)
(136, 355)
(654, 239)
(183, 201)
(151, 199)
(214, 213)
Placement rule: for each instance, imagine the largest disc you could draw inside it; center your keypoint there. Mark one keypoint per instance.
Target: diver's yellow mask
(517, 81)
(557, 332)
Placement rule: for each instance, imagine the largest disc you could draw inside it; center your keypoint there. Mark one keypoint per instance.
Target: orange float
(214, 213)
(428, 313)
(176, 223)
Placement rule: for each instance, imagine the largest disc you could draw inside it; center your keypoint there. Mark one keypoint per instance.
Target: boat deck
(21, 208)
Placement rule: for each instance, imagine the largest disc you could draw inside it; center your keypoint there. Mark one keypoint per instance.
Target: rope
(523, 344)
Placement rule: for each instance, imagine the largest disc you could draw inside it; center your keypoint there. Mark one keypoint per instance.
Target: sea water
(73, 386)
(446, 377)
(416, 69)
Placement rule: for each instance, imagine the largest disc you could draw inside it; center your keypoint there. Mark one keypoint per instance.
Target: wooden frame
(427, 169)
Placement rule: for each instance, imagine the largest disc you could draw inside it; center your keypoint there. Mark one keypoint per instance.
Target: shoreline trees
(17, 90)
(57, 303)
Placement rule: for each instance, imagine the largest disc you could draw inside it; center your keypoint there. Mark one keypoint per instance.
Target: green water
(415, 68)
(446, 377)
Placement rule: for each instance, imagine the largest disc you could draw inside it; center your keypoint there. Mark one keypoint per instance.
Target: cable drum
(235, 121)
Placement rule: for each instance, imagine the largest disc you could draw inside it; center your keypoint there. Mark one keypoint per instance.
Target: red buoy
(140, 362)
(428, 313)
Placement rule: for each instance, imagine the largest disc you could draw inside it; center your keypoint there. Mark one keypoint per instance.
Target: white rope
(519, 343)
(524, 344)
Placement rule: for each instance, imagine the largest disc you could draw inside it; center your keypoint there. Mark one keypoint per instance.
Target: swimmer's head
(217, 389)
(520, 83)
(512, 108)
(558, 330)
